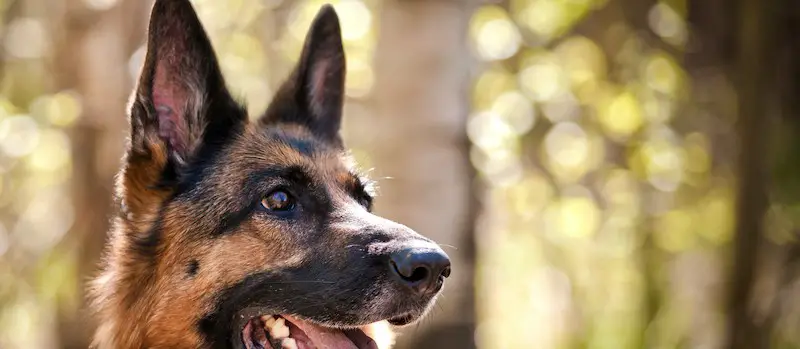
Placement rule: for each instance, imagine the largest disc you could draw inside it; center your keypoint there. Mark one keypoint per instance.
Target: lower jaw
(286, 332)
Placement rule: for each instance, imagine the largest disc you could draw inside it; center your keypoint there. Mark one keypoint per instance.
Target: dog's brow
(355, 186)
(306, 147)
(295, 173)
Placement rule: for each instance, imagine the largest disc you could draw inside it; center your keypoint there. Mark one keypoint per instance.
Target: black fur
(307, 147)
(192, 268)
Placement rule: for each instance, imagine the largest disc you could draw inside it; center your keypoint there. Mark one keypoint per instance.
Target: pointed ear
(313, 95)
(181, 102)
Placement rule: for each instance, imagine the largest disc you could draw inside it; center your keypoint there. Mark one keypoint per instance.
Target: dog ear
(313, 95)
(179, 112)
(181, 101)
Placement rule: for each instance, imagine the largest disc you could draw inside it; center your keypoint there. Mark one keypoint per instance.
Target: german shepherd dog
(239, 234)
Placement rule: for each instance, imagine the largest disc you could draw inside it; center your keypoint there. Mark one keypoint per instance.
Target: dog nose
(421, 269)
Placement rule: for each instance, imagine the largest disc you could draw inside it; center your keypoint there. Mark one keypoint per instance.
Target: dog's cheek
(237, 255)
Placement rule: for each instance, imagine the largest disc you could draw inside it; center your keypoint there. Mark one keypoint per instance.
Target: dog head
(238, 234)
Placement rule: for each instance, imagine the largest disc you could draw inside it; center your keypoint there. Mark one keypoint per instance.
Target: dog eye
(279, 201)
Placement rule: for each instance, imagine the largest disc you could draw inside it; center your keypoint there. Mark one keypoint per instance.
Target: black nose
(421, 269)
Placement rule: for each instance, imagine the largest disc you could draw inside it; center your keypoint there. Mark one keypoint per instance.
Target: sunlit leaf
(19, 135)
(569, 152)
(663, 74)
(547, 19)
(489, 131)
(574, 216)
(355, 18)
(621, 191)
(674, 231)
(530, 195)
(542, 78)
(663, 160)
(495, 35)
(582, 60)
(516, 110)
(668, 24)
(52, 153)
(490, 85)
(61, 109)
(567, 144)
(563, 107)
(220, 17)
(621, 116)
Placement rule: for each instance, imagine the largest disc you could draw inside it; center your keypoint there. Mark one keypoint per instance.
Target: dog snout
(420, 268)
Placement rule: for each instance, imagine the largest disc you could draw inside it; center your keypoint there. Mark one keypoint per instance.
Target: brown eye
(279, 201)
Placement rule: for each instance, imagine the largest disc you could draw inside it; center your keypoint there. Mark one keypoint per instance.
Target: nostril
(419, 274)
(446, 272)
(414, 275)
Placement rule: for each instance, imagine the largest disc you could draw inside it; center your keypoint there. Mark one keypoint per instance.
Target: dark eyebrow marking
(306, 147)
(295, 174)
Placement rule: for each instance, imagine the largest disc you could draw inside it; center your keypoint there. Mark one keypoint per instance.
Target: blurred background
(604, 173)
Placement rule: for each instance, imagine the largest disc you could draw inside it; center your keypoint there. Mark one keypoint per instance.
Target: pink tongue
(323, 338)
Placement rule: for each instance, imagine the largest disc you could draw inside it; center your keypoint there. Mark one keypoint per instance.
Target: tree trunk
(737, 40)
(753, 79)
(91, 56)
(421, 103)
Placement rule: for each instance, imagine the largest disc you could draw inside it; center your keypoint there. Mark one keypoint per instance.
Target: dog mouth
(288, 332)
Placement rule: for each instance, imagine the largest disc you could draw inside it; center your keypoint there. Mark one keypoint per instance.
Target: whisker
(447, 245)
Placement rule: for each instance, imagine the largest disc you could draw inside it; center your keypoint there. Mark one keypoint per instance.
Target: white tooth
(279, 330)
(289, 343)
(269, 321)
